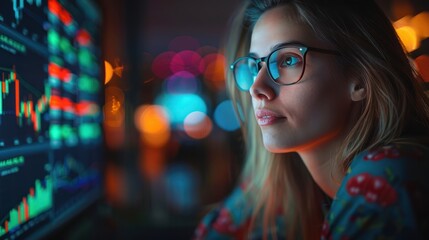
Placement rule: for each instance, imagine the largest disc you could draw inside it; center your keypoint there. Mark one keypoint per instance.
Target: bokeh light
(161, 64)
(214, 70)
(152, 162)
(115, 184)
(186, 61)
(197, 125)
(181, 188)
(178, 106)
(152, 122)
(114, 117)
(402, 22)
(408, 37)
(420, 23)
(422, 63)
(182, 82)
(225, 117)
(108, 72)
(113, 108)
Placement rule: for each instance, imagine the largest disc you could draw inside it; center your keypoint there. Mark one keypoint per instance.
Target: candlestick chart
(24, 107)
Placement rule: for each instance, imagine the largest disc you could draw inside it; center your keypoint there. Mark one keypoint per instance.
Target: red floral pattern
(383, 153)
(374, 189)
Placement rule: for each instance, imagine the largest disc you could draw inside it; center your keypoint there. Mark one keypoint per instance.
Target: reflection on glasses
(285, 65)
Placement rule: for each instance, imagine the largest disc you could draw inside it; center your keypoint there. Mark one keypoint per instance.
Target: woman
(336, 126)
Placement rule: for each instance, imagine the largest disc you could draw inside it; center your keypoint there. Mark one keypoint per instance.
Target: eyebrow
(277, 46)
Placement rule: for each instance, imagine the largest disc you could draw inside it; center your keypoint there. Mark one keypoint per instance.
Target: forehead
(280, 25)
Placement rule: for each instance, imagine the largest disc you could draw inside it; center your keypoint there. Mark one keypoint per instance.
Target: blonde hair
(395, 105)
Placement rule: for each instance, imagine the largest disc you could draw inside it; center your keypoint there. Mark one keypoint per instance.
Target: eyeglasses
(285, 65)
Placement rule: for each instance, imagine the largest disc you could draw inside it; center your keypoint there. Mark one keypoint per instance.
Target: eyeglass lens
(285, 66)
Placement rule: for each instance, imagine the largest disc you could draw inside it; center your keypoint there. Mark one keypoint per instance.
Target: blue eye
(290, 60)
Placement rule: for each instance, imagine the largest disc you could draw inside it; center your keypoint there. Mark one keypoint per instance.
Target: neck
(319, 161)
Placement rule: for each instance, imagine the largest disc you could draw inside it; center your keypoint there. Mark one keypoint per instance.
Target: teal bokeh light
(178, 106)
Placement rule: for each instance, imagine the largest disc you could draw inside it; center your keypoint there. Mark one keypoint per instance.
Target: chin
(279, 148)
(277, 144)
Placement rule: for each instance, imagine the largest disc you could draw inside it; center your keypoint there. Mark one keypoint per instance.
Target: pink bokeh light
(186, 61)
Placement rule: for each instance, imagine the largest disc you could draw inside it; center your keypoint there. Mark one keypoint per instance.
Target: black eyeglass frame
(301, 47)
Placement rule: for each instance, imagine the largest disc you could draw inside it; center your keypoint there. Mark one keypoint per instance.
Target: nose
(263, 87)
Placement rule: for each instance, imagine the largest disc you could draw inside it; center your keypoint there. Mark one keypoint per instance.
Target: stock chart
(50, 113)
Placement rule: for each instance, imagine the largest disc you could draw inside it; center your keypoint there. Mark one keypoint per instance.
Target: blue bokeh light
(225, 117)
(181, 185)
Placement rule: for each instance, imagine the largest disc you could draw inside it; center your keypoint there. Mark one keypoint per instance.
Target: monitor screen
(50, 114)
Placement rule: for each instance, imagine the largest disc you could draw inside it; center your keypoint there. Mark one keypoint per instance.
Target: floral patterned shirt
(384, 195)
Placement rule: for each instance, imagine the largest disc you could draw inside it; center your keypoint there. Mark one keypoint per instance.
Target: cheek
(321, 106)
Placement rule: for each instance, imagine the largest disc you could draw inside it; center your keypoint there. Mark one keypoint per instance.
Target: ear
(357, 91)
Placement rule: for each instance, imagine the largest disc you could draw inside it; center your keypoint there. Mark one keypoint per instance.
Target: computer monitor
(50, 114)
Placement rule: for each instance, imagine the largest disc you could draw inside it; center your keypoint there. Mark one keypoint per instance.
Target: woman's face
(313, 111)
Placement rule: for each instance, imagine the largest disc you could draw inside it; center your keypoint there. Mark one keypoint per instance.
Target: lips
(266, 117)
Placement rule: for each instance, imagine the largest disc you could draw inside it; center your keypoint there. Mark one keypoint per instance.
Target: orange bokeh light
(153, 123)
(114, 115)
(108, 72)
(214, 72)
(113, 108)
(402, 22)
(115, 184)
(152, 162)
(408, 37)
(420, 24)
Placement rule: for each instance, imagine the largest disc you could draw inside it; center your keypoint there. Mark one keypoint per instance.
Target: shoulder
(384, 193)
(390, 166)
(232, 219)
(228, 220)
